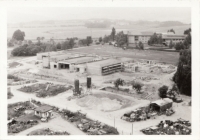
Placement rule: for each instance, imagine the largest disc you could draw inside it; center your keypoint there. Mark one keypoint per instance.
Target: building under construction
(94, 65)
(104, 67)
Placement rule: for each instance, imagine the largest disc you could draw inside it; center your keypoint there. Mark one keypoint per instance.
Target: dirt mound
(103, 104)
(14, 64)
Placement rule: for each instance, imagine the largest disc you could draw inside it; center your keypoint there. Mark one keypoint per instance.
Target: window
(55, 66)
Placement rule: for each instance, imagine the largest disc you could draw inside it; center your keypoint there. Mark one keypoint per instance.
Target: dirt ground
(56, 124)
(168, 57)
(108, 117)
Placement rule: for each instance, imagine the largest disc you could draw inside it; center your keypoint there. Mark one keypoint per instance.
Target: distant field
(82, 32)
(168, 57)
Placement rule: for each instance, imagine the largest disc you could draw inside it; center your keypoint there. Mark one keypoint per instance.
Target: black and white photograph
(99, 71)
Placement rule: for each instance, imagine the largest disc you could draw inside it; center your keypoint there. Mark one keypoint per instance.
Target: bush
(58, 46)
(110, 130)
(15, 78)
(18, 35)
(137, 86)
(163, 91)
(26, 50)
(141, 46)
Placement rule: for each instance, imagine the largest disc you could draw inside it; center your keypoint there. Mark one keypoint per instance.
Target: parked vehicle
(44, 119)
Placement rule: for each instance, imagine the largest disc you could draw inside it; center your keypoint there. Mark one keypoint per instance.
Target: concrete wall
(52, 64)
(45, 62)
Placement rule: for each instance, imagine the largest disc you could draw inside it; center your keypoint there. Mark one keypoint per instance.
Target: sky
(28, 14)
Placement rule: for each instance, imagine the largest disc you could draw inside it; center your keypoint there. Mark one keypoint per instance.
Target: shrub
(163, 91)
(137, 86)
(26, 50)
(110, 130)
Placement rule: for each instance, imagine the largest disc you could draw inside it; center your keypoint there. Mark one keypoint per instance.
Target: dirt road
(109, 118)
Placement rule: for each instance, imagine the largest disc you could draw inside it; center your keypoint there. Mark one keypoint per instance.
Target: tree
(106, 39)
(163, 91)
(38, 39)
(137, 86)
(100, 39)
(58, 46)
(155, 39)
(171, 45)
(118, 82)
(112, 35)
(82, 42)
(71, 43)
(186, 32)
(89, 40)
(121, 39)
(188, 39)
(141, 46)
(29, 42)
(179, 46)
(18, 35)
(42, 38)
(52, 40)
(182, 77)
(171, 30)
(65, 45)
(26, 50)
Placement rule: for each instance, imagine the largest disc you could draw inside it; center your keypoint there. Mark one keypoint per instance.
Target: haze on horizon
(28, 14)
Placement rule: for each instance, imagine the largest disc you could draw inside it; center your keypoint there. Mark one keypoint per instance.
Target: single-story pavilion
(43, 111)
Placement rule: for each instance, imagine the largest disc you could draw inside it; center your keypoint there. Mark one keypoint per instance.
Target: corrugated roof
(104, 63)
(162, 101)
(44, 108)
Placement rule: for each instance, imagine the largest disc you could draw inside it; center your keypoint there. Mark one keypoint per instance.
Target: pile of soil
(14, 64)
(44, 90)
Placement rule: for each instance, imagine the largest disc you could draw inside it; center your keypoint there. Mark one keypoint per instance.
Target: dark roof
(44, 108)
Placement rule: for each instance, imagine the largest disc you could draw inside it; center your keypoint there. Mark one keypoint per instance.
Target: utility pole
(132, 128)
(114, 122)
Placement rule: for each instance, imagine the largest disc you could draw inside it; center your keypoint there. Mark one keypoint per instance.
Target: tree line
(28, 48)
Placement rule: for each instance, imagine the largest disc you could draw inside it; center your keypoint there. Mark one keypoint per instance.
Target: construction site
(84, 82)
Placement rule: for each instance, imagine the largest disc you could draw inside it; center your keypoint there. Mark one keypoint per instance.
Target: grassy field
(161, 56)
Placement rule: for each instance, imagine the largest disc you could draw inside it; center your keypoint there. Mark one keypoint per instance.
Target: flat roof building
(167, 38)
(134, 38)
(70, 63)
(104, 67)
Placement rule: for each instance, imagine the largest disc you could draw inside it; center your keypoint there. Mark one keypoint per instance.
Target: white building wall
(45, 62)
